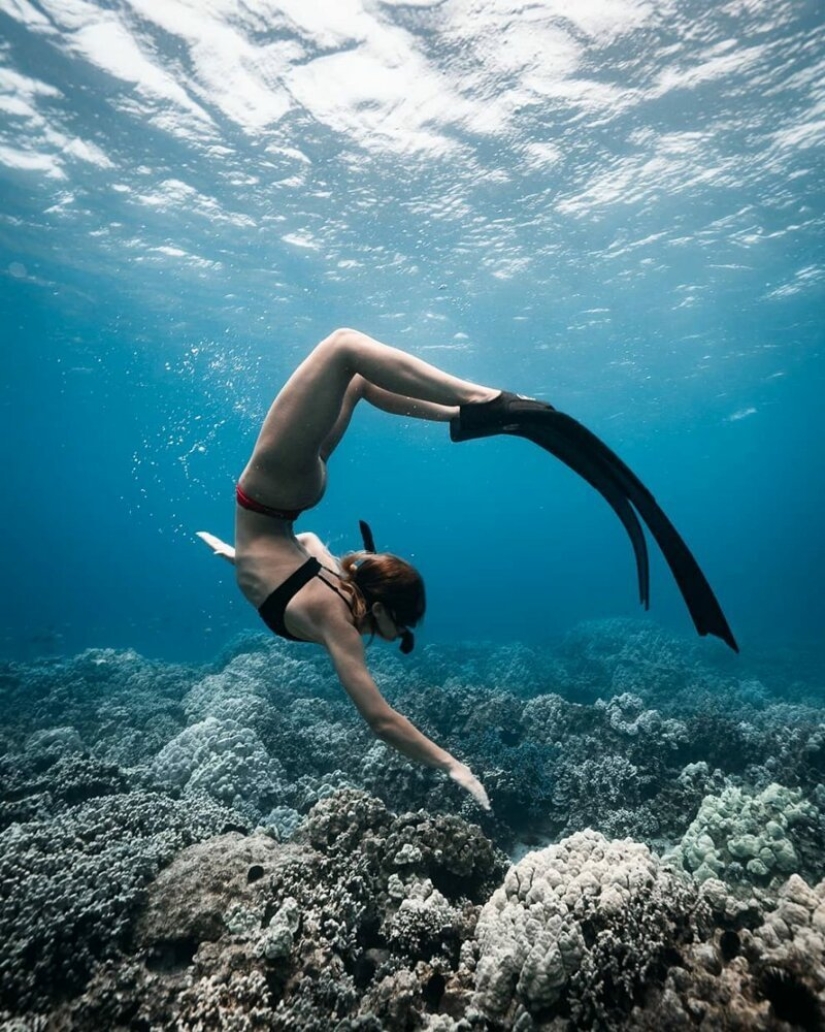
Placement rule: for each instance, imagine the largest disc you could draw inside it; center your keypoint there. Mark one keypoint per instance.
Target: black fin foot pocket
(503, 414)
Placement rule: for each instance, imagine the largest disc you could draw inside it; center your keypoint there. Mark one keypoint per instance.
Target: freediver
(304, 593)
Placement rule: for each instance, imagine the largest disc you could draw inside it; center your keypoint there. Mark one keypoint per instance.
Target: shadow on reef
(229, 849)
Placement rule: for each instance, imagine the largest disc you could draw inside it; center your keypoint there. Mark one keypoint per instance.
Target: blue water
(619, 211)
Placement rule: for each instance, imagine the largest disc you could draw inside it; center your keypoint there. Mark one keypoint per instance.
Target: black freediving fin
(488, 419)
(587, 455)
(591, 470)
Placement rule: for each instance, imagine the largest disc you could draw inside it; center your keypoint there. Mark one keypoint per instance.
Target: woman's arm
(218, 547)
(346, 650)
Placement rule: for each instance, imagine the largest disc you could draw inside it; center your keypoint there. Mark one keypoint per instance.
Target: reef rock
(358, 923)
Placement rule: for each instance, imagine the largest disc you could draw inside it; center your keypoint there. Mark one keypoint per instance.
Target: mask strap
(407, 637)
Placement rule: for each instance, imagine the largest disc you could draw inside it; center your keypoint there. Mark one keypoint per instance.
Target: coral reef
(71, 886)
(242, 931)
(369, 920)
(229, 848)
(583, 923)
(742, 837)
(224, 761)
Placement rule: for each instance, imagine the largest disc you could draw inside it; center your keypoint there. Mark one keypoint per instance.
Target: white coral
(222, 760)
(423, 917)
(793, 935)
(530, 935)
(626, 715)
(278, 938)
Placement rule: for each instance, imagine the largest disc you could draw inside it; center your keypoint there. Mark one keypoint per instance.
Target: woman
(301, 590)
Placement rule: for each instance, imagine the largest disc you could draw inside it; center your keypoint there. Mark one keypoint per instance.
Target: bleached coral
(224, 761)
(60, 741)
(277, 939)
(566, 913)
(240, 1002)
(424, 922)
(242, 678)
(626, 715)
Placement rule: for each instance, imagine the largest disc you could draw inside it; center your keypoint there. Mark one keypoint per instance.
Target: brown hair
(382, 577)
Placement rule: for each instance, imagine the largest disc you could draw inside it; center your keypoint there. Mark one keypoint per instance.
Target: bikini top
(273, 609)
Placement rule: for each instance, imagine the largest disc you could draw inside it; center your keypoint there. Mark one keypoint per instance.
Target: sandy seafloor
(227, 847)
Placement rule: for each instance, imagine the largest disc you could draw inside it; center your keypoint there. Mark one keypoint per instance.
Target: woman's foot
(483, 419)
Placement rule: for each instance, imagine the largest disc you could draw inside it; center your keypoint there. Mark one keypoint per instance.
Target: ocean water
(618, 210)
(615, 206)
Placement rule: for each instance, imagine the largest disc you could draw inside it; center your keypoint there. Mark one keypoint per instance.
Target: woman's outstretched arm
(346, 649)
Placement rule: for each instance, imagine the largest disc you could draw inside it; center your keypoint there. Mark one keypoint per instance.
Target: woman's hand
(218, 547)
(462, 774)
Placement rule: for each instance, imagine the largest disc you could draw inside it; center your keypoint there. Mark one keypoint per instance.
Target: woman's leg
(361, 389)
(311, 413)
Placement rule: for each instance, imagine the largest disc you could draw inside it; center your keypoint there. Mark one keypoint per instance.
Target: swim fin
(587, 455)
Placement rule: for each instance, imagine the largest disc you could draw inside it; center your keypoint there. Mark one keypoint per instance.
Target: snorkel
(407, 640)
(406, 635)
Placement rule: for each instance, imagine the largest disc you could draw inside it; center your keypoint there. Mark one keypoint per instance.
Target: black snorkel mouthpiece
(406, 635)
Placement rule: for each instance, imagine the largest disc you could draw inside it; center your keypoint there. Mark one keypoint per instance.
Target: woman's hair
(382, 577)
